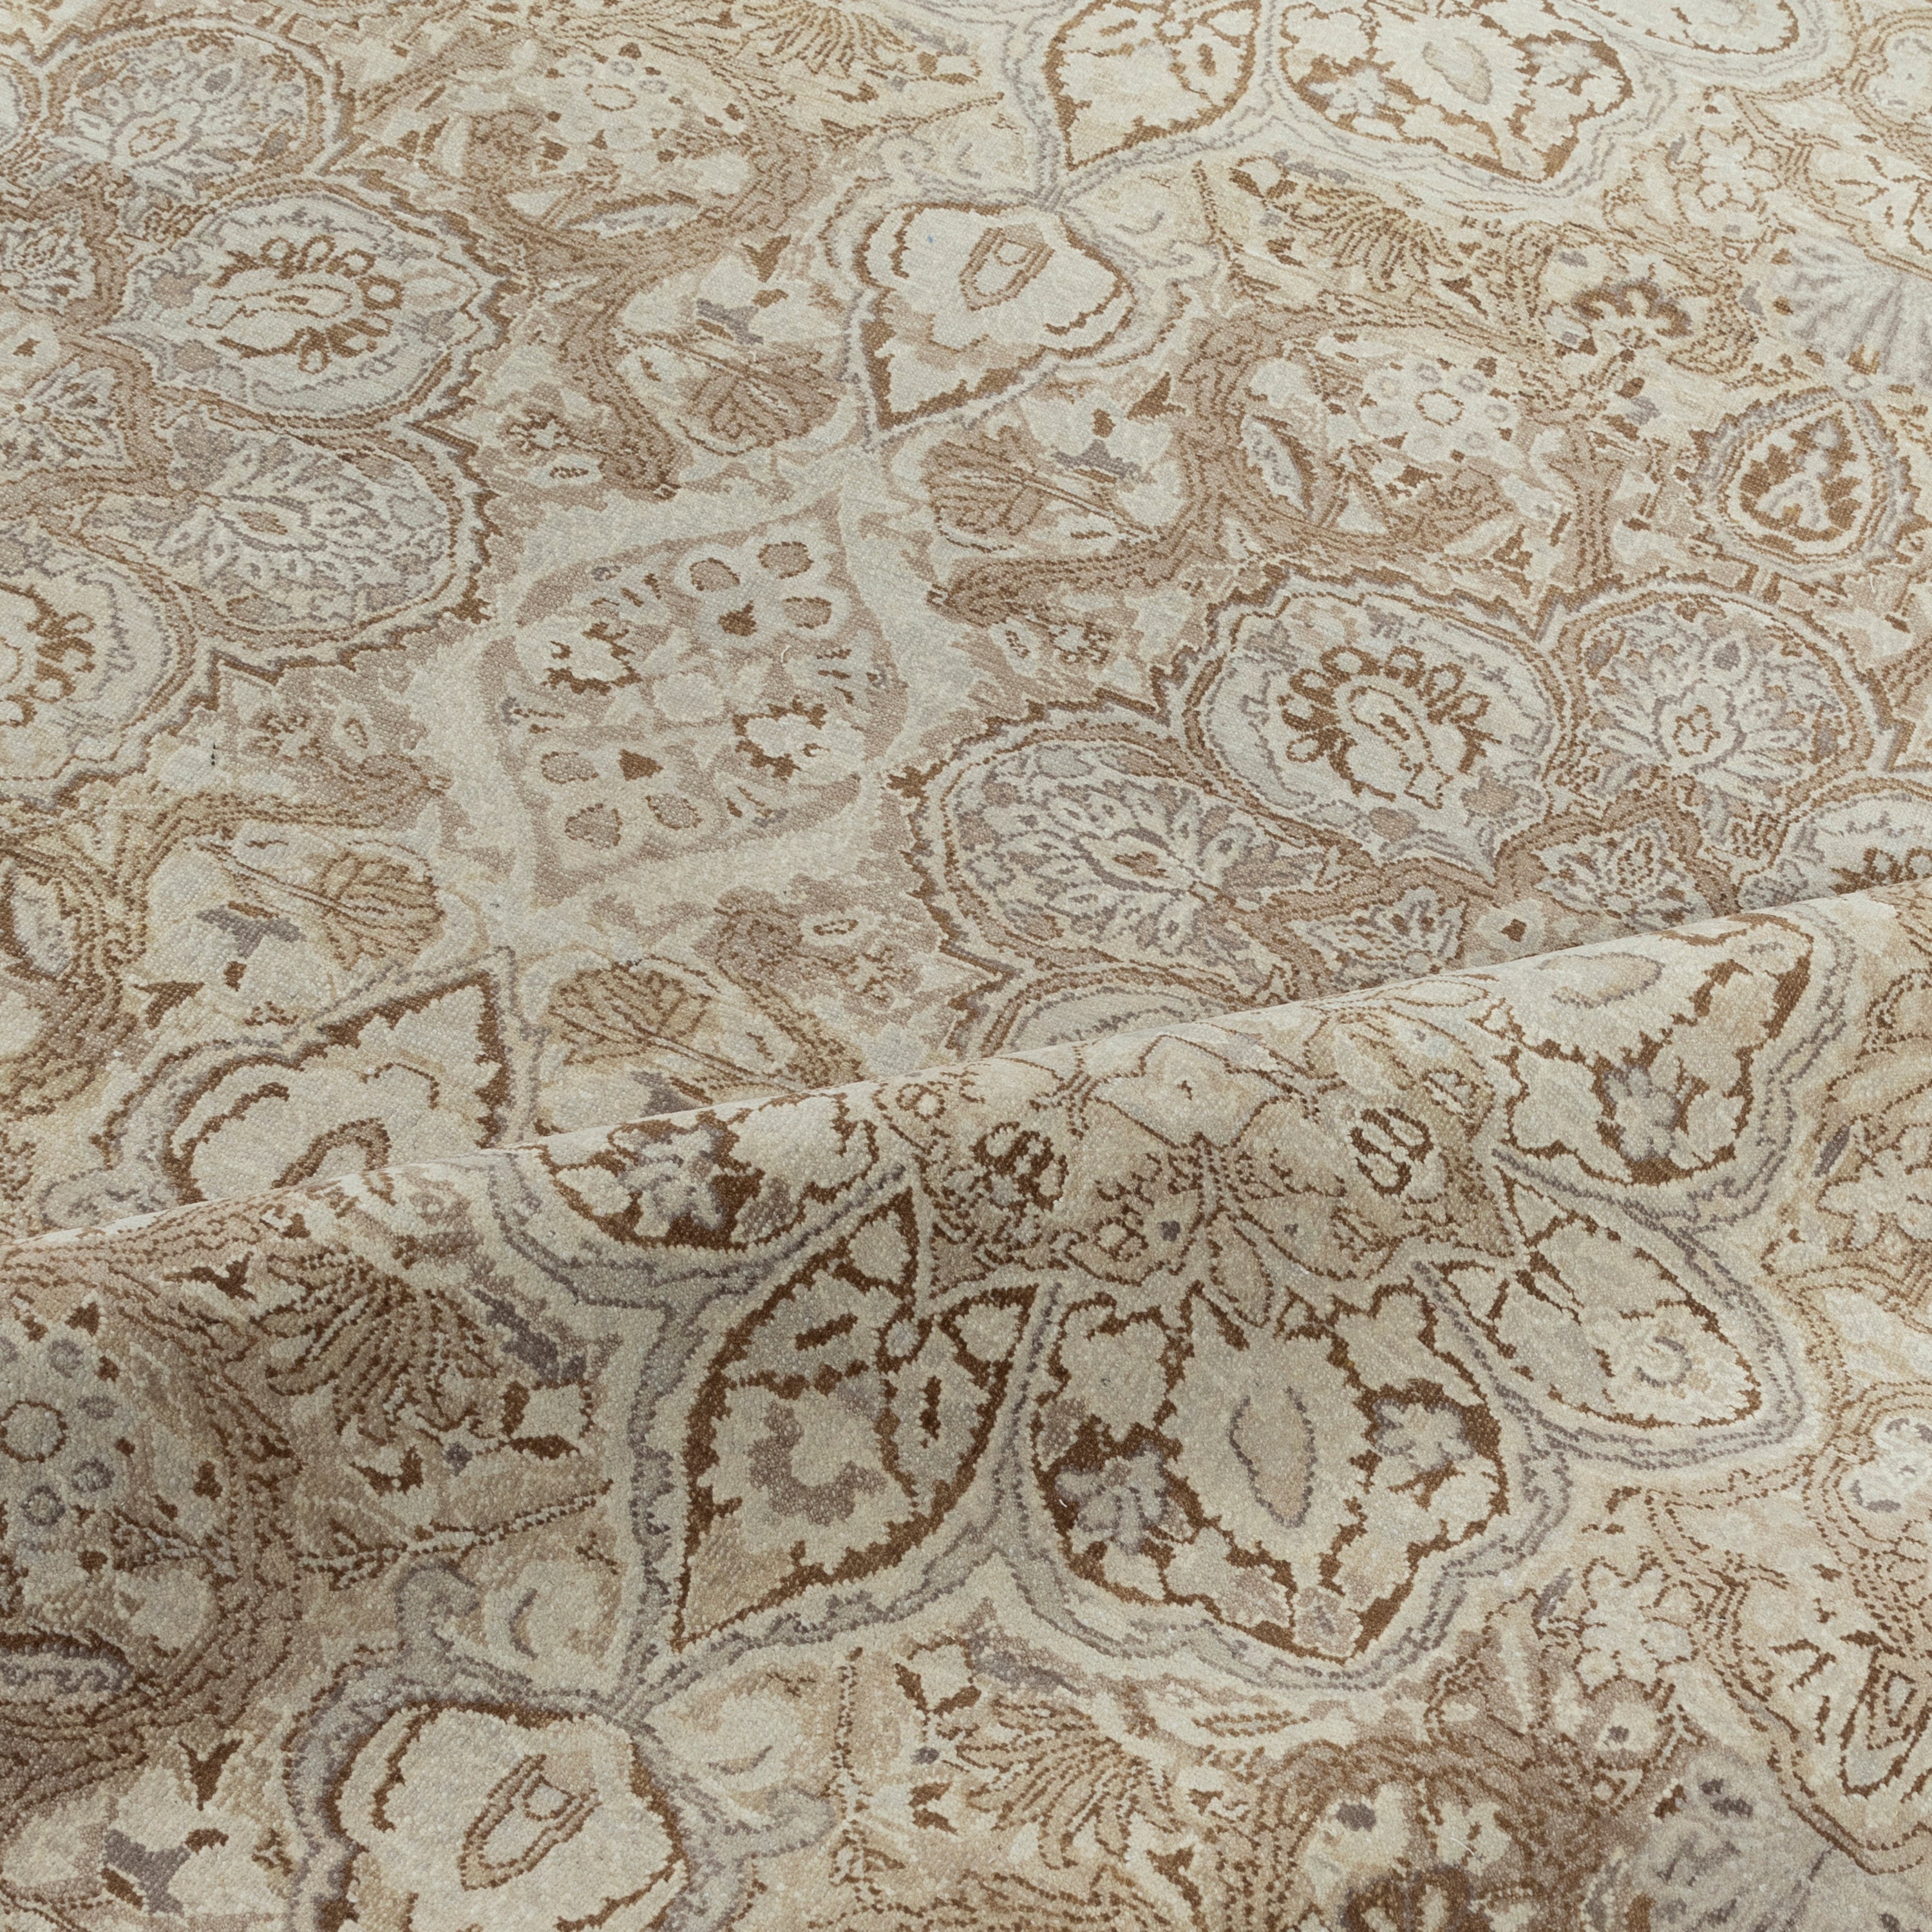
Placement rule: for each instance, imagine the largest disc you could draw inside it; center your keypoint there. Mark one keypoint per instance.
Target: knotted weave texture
(965, 964)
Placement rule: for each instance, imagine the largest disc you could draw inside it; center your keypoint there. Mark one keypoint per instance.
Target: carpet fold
(965, 964)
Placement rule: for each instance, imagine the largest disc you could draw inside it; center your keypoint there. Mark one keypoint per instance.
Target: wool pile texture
(965, 964)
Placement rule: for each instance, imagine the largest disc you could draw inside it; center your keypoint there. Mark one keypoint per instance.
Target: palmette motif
(1208, 718)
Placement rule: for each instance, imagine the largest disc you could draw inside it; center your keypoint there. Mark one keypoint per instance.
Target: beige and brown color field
(966, 964)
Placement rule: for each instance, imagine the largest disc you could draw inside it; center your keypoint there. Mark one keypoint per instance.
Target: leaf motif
(1121, 72)
(618, 1009)
(385, 1348)
(1003, 485)
(985, 486)
(375, 906)
(736, 408)
(1047, 1764)
(838, 1424)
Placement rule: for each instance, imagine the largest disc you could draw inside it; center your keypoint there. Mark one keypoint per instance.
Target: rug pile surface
(966, 964)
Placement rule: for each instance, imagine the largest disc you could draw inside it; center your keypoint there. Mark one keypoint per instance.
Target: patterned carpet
(966, 964)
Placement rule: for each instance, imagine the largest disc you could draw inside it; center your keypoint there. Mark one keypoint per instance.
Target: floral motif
(1813, 483)
(88, 654)
(1624, 1093)
(1125, 860)
(1508, 88)
(1634, 873)
(1868, 314)
(149, 1584)
(964, 966)
(970, 298)
(45, 264)
(425, 1065)
(280, 535)
(1122, 72)
(1854, 1514)
(839, 1423)
(179, 110)
(561, 1822)
(1371, 716)
(1743, 710)
(1416, 934)
(665, 701)
(1181, 1462)
(308, 306)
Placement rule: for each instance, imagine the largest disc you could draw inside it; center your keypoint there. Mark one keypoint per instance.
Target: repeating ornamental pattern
(1015, 1461)
(965, 966)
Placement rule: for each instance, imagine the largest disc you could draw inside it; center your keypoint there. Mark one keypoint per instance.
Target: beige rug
(966, 964)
